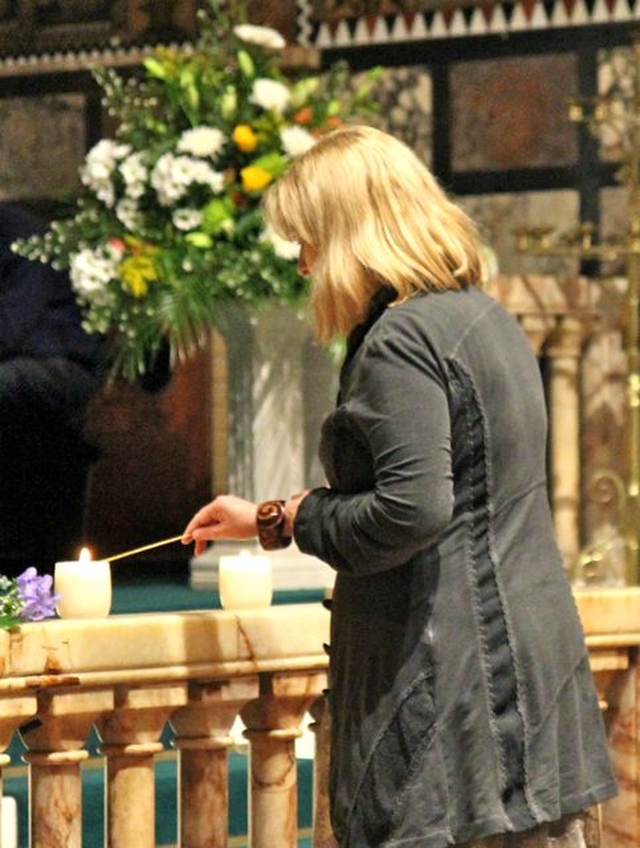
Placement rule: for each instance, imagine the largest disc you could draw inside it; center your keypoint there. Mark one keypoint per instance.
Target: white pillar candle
(244, 581)
(84, 586)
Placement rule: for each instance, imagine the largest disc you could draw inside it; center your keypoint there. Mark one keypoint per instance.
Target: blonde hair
(376, 216)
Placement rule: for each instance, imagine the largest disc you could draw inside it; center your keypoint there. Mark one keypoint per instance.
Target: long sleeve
(389, 463)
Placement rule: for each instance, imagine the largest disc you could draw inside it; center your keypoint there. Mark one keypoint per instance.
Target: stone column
(621, 815)
(564, 349)
(55, 742)
(55, 798)
(4, 761)
(203, 739)
(13, 712)
(322, 831)
(130, 740)
(273, 724)
(536, 327)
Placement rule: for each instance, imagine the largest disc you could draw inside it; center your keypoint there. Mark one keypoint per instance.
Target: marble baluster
(621, 815)
(55, 741)
(130, 740)
(203, 739)
(564, 349)
(14, 711)
(273, 724)
(4, 761)
(322, 831)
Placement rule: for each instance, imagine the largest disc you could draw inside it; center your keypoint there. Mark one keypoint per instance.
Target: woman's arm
(397, 405)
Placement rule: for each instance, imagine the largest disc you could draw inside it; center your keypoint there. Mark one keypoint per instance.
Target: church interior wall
(489, 113)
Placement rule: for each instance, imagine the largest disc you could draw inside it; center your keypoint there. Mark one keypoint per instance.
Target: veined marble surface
(609, 611)
(166, 648)
(281, 634)
(277, 633)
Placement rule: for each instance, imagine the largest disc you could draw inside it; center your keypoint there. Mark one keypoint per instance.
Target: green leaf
(245, 62)
(217, 214)
(273, 162)
(155, 68)
(198, 239)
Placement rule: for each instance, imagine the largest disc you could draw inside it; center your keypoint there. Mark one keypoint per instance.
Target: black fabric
(49, 369)
(460, 696)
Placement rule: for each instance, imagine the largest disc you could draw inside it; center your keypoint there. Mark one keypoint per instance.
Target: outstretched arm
(225, 517)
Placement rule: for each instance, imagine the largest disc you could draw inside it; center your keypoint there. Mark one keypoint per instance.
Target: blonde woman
(461, 697)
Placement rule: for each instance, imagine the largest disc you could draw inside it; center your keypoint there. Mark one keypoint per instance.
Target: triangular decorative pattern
(490, 19)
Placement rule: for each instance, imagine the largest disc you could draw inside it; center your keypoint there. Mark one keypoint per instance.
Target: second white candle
(245, 581)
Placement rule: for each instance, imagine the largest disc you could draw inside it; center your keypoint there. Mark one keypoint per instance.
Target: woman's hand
(226, 517)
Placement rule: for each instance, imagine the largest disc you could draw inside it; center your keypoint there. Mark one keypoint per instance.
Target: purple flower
(34, 591)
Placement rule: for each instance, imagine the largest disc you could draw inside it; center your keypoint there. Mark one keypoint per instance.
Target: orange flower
(304, 116)
(117, 244)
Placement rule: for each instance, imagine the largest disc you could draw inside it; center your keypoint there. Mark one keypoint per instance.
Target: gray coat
(461, 696)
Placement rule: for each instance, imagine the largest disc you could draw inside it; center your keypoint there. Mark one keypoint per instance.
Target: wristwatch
(271, 518)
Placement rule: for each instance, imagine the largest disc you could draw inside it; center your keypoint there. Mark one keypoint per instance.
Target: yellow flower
(255, 179)
(136, 272)
(245, 138)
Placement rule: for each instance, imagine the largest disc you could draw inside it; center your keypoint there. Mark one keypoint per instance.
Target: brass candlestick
(582, 244)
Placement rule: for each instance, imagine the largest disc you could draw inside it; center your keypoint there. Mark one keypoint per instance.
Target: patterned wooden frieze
(345, 23)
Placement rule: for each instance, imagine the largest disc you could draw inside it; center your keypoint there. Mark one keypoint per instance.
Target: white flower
(90, 272)
(134, 173)
(128, 213)
(201, 141)
(281, 247)
(99, 166)
(187, 219)
(296, 140)
(104, 156)
(270, 94)
(261, 35)
(173, 175)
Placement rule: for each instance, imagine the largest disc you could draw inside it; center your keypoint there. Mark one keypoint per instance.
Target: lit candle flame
(85, 555)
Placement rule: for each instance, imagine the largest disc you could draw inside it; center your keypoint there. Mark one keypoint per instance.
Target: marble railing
(127, 676)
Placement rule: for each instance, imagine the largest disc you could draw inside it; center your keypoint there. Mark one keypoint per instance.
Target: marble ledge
(282, 636)
(610, 615)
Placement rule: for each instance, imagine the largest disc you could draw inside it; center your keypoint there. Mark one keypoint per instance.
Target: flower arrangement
(168, 224)
(28, 597)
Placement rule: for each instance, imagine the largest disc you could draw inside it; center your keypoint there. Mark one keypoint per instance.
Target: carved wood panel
(35, 26)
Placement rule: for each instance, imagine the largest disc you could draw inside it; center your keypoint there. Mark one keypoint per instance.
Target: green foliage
(168, 226)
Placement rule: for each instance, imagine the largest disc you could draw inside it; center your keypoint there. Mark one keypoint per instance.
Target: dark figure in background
(49, 369)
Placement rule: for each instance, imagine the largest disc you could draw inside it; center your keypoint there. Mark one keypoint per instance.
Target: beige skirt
(579, 831)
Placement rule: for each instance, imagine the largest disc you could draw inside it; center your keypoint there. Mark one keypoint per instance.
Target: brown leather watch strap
(271, 521)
